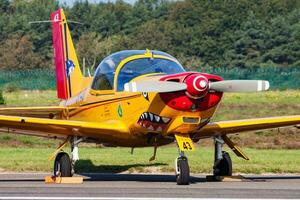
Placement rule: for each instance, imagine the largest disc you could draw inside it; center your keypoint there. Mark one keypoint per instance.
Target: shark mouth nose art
(153, 122)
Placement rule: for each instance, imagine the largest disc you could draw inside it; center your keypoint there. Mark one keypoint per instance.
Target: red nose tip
(197, 85)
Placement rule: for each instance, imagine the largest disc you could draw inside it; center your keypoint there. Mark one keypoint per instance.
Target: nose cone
(197, 85)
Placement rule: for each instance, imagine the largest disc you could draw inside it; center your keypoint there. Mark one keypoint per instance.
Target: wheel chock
(237, 178)
(63, 180)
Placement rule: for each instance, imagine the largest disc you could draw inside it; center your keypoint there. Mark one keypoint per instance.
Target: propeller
(219, 86)
(239, 86)
(154, 86)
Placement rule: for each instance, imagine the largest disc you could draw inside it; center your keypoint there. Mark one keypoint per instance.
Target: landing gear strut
(182, 170)
(74, 151)
(222, 164)
(63, 164)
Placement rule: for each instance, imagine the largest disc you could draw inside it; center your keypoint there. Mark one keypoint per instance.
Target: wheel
(62, 165)
(183, 171)
(224, 166)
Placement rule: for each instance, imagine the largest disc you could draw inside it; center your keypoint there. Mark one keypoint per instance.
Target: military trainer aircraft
(137, 98)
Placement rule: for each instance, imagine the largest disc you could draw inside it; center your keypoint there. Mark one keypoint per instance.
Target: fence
(42, 79)
(33, 79)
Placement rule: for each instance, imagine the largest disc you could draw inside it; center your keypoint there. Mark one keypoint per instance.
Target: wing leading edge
(55, 127)
(43, 111)
(236, 126)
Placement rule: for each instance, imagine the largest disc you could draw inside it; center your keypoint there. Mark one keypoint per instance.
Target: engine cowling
(197, 97)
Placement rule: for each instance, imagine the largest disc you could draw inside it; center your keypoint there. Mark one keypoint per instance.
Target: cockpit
(122, 67)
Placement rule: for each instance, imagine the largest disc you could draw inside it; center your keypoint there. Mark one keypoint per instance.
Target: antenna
(44, 21)
(89, 73)
(50, 21)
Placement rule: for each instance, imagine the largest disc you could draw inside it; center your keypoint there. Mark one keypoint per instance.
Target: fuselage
(152, 118)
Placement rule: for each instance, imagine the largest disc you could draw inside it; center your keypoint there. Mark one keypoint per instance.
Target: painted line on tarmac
(115, 198)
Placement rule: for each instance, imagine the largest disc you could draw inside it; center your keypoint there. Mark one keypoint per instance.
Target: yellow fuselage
(128, 108)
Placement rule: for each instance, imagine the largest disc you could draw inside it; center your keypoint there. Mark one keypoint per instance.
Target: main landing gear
(63, 164)
(182, 169)
(222, 164)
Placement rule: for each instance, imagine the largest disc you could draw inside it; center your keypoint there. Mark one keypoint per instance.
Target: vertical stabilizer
(69, 79)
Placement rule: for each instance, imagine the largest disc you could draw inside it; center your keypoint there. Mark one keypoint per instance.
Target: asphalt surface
(148, 185)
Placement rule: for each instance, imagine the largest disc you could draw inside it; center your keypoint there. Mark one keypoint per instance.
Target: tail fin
(69, 79)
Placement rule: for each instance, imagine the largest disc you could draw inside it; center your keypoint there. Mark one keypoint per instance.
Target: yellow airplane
(137, 98)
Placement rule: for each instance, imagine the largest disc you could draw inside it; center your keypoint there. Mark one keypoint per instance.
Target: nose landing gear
(182, 170)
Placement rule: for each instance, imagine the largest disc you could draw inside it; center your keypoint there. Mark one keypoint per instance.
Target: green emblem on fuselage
(120, 112)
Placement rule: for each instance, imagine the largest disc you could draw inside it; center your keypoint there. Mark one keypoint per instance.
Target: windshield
(144, 66)
(105, 73)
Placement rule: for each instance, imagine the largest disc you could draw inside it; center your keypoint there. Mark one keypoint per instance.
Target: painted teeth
(154, 118)
(159, 128)
(151, 117)
(157, 118)
(151, 128)
(165, 119)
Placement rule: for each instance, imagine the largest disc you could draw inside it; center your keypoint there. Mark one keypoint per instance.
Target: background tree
(244, 34)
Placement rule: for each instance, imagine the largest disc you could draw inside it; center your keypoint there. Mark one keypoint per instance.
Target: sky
(70, 2)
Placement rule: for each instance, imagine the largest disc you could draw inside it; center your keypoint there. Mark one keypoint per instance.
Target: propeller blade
(154, 86)
(240, 86)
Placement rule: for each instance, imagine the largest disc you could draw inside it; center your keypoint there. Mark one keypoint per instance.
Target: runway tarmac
(127, 186)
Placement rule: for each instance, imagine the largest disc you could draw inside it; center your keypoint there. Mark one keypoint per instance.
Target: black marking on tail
(67, 58)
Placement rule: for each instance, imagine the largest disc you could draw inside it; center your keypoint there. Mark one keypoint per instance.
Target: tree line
(200, 33)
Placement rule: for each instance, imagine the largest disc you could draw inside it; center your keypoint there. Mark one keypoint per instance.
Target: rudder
(69, 78)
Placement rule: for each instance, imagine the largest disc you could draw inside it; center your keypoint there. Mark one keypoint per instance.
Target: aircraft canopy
(129, 64)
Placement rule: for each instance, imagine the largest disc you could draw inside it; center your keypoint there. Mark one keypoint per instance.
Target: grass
(263, 104)
(118, 160)
(14, 140)
(31, 98)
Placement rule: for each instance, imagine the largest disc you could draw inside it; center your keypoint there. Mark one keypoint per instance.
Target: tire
(62, 165)
(183, 174)
(224, 167)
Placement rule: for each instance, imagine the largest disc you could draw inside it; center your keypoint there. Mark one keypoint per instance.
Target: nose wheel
(182, 170)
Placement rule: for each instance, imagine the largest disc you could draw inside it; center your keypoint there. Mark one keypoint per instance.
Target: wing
(236, 126)
(43, 112)
(62, 128)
